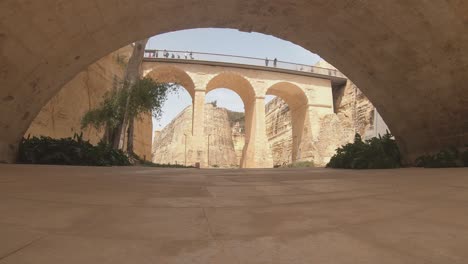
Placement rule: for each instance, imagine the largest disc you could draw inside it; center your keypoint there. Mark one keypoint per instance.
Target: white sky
(224, 41)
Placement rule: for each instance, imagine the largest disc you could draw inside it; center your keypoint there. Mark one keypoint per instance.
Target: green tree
(145, 96)
(132, 74)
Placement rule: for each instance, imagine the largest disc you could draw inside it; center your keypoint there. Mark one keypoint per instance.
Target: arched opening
(291, 103)
(224, 128)
(246, 92)
(172, 74)
(397, 76)
(169, 147)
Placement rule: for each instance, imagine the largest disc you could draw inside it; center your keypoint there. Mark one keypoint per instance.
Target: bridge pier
(198, 142)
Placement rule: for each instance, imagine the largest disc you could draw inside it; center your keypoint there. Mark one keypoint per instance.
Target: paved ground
(141, 215)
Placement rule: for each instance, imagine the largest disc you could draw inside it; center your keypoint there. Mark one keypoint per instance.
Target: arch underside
(243, 88)
(171, 74)
(297, 102)
(412, 67)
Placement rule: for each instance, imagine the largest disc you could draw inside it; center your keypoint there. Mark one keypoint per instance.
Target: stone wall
(172, 144)
(61, 116)
(279, 131)
(354, 113)
(169, 144)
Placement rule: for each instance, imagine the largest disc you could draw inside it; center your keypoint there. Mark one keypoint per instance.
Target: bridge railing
(214, 57)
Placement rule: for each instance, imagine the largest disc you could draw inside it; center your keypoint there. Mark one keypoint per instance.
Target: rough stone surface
(279, 131)
(302, 127)
(61, 116)
(55, 214)
(309, 95)
(169, 144)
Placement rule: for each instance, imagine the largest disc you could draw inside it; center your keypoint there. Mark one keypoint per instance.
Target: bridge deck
(242, 62)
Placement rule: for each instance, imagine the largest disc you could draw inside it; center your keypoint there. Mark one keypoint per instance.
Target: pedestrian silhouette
(266, 62)
(275, 61)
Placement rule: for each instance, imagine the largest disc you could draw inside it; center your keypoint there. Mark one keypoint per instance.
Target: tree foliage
(446, 158)
(376, 153)
(146, 96)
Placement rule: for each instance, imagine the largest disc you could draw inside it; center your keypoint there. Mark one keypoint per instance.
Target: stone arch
(171, 74)
(297, 102)
(413, 75)
(246, 92)
(234, 82)
(292, 94)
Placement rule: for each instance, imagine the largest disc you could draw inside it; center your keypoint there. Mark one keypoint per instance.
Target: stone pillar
(198, 140)
(257, 153)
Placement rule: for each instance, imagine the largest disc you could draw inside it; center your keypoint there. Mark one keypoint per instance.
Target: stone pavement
(54, 214)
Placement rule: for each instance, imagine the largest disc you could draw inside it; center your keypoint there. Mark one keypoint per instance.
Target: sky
(224, 41)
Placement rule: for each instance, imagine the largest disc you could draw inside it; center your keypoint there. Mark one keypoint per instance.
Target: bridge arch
(234, 82)
(241, 86)
(42, 49)
(297, 102)
(171, 74)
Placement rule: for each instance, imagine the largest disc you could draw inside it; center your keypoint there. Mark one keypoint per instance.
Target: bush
(446, 158)
(464, 158)
(69, 151)
(376, 153)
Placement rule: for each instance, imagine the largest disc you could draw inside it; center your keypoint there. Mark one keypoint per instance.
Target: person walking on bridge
(275, 61)
(266, 61)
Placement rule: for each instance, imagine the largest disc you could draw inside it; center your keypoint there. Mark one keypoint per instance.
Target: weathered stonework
(61, 116)
(354, 115)
(174, 143)
(279, 131)
(309, 95)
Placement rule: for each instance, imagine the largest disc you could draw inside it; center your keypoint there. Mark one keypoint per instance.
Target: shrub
(464, 158)
(69, 151)
(445, 158)
(376, 153)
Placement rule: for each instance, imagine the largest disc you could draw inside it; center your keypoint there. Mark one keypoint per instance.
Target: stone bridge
(306, 89)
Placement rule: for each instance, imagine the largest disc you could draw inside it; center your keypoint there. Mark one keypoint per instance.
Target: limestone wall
(279, 131)
(172, 144)
(354, 113)
(169, 144)
(61, 116)
(220, 144)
